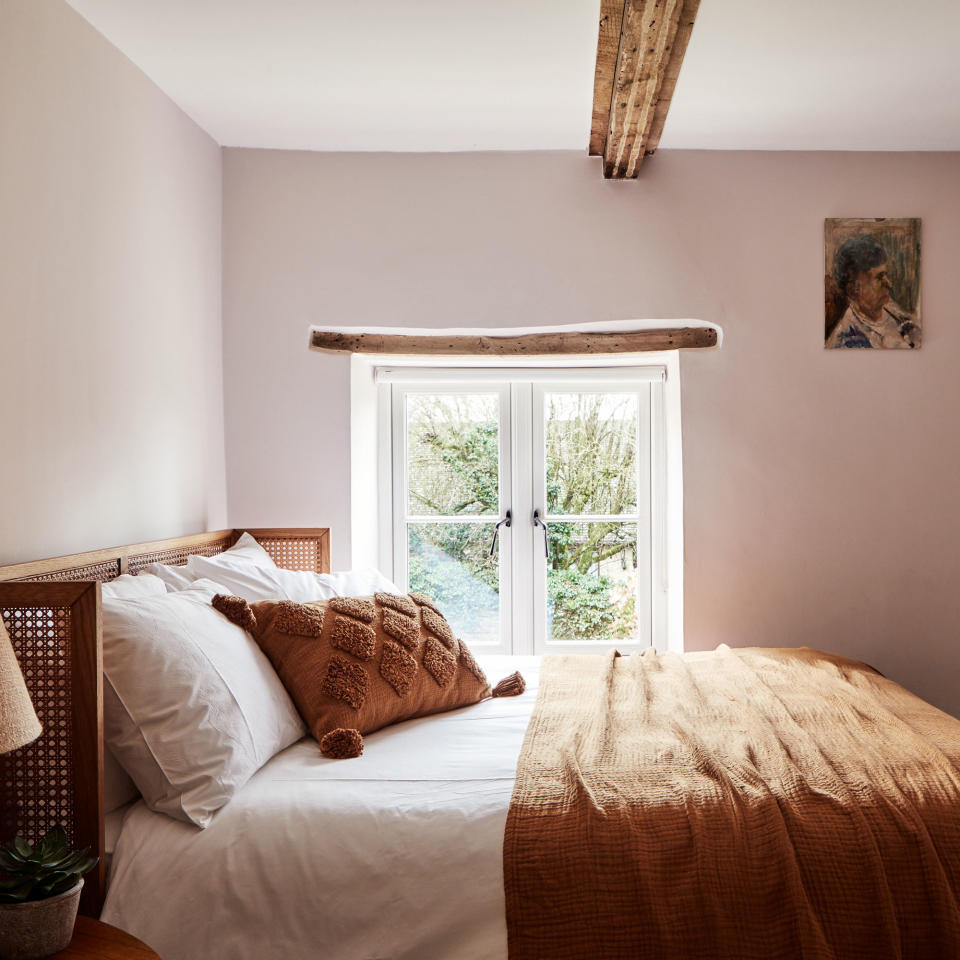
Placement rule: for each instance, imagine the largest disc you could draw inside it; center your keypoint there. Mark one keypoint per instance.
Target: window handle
(496, 531)
(546, 544)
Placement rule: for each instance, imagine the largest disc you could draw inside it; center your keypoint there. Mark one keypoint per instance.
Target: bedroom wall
(110, 335)
(820, 487)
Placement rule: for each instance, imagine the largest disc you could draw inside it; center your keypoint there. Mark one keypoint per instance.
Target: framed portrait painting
(872, 283)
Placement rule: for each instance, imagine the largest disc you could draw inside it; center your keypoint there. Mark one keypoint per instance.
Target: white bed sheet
(397, 854)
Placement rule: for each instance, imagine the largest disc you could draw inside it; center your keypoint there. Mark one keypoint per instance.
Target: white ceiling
(518, 74)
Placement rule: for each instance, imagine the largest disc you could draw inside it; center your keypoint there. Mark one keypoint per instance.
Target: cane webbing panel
(178, 556)
(296, 548)
(36, 781)
(294, 553)
(107, 570)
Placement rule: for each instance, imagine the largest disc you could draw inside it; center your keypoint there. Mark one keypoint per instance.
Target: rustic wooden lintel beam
(527, 345)
(640, 50)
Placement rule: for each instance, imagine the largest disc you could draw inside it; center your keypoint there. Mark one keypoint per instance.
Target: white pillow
(118, 788)
(129, 587)
(245, 554)
(363, 582)
(245, 551)
(174, 578)
(256, 583)
(192, 707)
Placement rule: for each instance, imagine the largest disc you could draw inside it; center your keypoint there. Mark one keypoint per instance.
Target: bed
(500, 829)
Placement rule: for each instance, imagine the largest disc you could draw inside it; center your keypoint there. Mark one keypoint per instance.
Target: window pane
(591, 450)
(450, 563)
(592, 582)
(452, 453)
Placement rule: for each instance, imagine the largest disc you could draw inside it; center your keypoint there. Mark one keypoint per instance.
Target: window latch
(538, 522)
(496, 531)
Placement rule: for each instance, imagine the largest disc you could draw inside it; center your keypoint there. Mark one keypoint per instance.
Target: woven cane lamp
(18, 720)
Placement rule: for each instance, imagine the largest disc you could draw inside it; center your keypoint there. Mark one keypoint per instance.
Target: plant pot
(38, 928)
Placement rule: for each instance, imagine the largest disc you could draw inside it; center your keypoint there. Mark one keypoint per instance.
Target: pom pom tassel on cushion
(236, 610)
(511, 686)
(341, 744)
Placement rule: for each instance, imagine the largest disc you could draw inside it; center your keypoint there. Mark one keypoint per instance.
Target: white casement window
(530, 503)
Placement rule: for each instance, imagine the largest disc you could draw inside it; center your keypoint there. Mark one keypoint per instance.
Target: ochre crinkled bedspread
(741, 804)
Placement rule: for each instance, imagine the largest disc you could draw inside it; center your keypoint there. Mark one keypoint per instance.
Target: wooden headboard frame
(51, 609)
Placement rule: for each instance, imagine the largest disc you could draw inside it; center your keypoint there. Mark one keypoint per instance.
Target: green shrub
(579, 606)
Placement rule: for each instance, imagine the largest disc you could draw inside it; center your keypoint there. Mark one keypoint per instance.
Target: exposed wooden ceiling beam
(685, 27)
(526, 345)
(640, 50)
(611, 17)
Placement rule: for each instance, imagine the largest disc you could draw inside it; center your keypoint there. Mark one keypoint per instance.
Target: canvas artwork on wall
(872, 283)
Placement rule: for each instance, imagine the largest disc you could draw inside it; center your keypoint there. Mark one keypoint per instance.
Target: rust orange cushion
(354, 665)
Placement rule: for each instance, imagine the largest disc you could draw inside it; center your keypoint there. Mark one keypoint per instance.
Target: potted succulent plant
(39, 894)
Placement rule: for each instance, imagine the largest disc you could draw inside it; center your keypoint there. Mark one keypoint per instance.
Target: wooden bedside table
(93, 939)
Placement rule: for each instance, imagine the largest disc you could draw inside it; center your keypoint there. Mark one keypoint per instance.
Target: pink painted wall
(110, 332)
(821, 488)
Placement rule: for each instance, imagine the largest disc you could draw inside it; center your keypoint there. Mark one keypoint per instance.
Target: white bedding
(394, 855)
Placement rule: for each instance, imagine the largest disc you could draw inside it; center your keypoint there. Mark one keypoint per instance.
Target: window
(531, 503)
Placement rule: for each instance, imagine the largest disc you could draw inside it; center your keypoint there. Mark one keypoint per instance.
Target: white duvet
(396, 854)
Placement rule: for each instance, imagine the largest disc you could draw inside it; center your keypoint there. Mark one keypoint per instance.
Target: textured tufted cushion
(361, 663)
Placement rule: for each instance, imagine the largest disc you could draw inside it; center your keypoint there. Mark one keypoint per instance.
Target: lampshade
(18, 720)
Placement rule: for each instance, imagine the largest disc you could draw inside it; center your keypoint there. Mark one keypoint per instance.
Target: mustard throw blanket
(738, 804)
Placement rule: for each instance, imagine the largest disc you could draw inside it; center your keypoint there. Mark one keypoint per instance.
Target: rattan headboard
(51, 609)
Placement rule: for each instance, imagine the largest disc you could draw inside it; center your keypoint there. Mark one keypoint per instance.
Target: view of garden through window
(453, 493)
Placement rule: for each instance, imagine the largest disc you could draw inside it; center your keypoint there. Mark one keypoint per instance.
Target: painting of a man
(872, 283)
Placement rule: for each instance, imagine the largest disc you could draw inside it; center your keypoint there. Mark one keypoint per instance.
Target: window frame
(401, 516)
(648, 492)
(665, 516)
